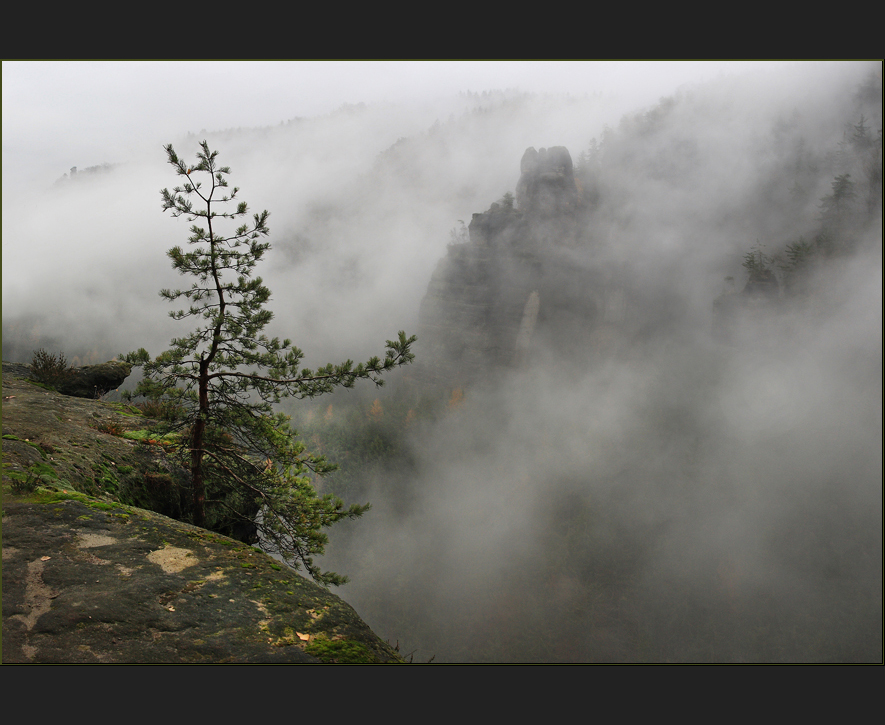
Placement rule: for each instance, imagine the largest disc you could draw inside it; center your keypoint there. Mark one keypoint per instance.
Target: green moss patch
(341, 651)
(152, 437)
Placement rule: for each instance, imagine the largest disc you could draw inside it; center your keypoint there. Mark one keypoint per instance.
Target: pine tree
(837, 210)
(223, 379)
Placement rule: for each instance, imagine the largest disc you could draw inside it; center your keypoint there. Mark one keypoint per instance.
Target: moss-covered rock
(88, 578)
(93, 381)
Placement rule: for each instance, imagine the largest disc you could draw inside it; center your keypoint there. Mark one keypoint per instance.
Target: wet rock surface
(85, 583)
(87, 579)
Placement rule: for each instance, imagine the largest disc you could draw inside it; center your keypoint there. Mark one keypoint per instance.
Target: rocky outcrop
(93, 381)
(88, 579)
(99, 450)
(520, 284)
(489, 309)
(548, 196)
(545, 215)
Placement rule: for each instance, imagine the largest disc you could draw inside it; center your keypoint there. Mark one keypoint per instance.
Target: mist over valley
(644, 422)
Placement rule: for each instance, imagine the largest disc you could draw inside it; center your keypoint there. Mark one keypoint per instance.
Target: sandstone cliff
(525, 281)
(87, 579)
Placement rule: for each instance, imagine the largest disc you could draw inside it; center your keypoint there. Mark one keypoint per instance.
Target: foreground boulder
(88, 579)
(93, 381)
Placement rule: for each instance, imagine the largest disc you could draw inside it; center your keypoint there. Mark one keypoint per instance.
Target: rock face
(548, 196)
(94, 447)
(547, 203)
(85, 581)
(523, 282)
(93, 381)
(88, 579)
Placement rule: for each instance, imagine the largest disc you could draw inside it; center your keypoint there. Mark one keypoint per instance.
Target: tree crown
(225, 376)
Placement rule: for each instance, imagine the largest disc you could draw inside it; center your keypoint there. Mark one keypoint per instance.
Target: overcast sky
(59, 114)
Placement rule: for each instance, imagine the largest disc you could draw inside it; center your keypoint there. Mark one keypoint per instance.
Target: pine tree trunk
(197, 448)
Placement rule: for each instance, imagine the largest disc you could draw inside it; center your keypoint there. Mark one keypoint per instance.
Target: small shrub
(151, 437)
(158, 481)
(110, 427)
(459, 235)
(50, 369)
(159, 409)
(26, 484)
